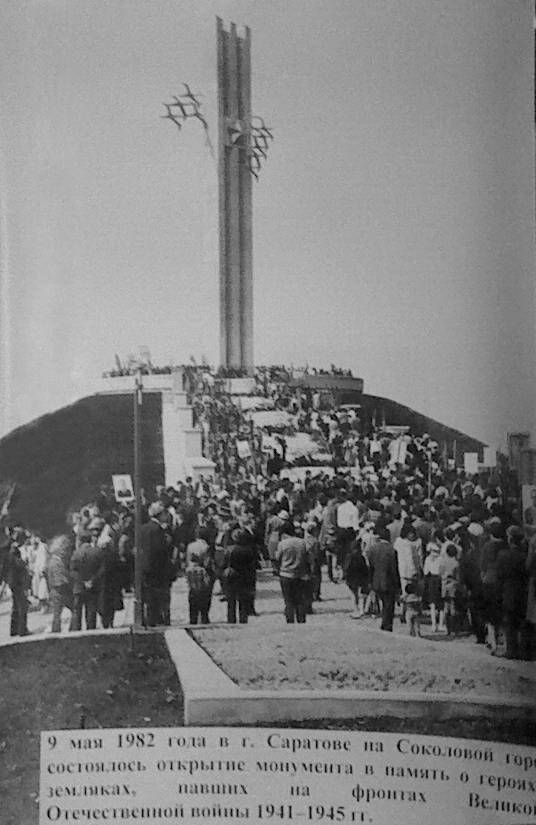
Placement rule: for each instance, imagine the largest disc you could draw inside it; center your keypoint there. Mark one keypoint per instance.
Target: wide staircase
(183, 455)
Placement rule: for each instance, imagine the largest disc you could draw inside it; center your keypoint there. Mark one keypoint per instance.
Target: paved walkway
(335, 608)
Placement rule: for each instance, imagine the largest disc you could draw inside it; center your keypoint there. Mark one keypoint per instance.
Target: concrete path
(336, 607)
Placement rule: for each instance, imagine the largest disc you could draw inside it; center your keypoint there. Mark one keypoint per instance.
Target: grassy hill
(398, 414)
(59, 460)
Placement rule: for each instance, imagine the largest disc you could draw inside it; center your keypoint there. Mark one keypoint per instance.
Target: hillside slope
(398, 414)
(60, 460)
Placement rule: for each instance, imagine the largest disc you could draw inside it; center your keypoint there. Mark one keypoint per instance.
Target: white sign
(195, 775)
(243, 449)
(123, 488)
(398, 450)
(271, 418)
(470, 463)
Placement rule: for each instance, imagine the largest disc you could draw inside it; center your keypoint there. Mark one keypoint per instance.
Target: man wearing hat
(85, 566)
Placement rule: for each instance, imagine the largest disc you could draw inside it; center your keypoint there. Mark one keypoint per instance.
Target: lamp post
(138, 600)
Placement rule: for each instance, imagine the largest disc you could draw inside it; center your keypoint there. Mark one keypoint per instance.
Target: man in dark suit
(155, 564)
(385, 578)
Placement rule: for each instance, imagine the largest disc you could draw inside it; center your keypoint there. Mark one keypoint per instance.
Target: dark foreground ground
(93, 682)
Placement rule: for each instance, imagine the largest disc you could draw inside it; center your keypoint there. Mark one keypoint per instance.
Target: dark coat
(242, 561)
(18, 576)
(384, 567)
(512, 580)
(85, 565)
(109, 579)
(357, 571)
(155, 559)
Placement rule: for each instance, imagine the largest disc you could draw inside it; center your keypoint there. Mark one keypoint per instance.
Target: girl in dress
(432, 585)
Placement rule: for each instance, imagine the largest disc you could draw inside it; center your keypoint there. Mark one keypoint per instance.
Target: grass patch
(95, 682)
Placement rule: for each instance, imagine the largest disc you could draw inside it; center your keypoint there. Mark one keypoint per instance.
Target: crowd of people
(411, 535)
(143, 363)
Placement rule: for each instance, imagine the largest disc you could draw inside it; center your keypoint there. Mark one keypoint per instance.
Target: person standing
(40, 588)
(223, 537)
(347, 526)
(530, 615)
(315, 555)
(18, 578)
(413, 603)
(407, 549)
(488, 573)
(85, 565)
(328, 534)
(240, 575)
(59, 579)
(200, 579)
(450, 586)
(384, 574)
(248, 527)
(293, 568)
(357, 578)
(432, 585)
(154, 564)
(125, 549)
(470, 564)
(512, 586)
(109, 581)
(274, 526)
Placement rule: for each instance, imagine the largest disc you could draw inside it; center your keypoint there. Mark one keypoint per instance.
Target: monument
(243, 141)
(235, 201)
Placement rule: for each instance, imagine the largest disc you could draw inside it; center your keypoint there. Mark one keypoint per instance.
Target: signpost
(138, 600)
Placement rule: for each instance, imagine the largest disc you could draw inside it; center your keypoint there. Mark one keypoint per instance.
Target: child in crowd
(432, 585)
(413, 606)
(315, 556)
(357, 576)
(450, 585)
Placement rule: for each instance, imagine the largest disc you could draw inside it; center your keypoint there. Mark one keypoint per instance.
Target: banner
(470, 463)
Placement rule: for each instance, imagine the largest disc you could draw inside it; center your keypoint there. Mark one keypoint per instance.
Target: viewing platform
(154, 382)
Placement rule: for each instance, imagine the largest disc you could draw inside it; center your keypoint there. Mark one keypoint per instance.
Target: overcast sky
(393, 221)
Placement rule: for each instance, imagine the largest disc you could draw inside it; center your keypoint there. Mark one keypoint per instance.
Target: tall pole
(138, 602)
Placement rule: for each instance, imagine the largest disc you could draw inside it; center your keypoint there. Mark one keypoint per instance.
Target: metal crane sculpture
(251, 136)
(185, 107)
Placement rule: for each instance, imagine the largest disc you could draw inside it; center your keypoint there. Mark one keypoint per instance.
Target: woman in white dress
(39, 579)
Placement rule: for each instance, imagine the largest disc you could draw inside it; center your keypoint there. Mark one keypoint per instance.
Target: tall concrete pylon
(235, 197)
